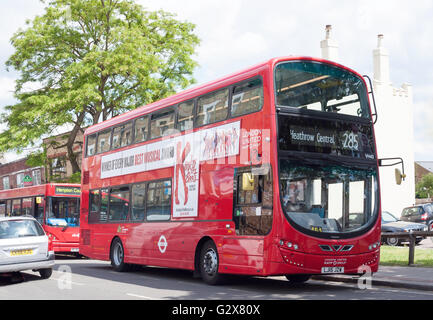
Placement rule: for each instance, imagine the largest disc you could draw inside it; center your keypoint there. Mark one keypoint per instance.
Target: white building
(394, 126)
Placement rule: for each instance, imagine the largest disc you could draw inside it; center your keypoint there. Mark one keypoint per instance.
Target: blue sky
(238, 33)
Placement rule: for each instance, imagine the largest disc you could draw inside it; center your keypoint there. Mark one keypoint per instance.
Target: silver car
(24, 246)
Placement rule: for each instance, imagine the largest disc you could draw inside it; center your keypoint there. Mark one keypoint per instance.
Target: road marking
(140, 296)
(67, 281)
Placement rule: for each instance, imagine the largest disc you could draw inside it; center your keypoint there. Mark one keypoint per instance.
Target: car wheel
(393, 242)
(209, 263)
(46, 273)
(298, 278)
(117, 255)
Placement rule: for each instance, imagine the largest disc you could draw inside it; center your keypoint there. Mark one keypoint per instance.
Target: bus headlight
(374, 246)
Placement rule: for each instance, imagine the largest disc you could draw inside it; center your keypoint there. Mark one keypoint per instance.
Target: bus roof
(202, 89)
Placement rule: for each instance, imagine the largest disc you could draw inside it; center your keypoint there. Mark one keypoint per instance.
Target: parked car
(422, 213)
(24, 246)
(391, 224)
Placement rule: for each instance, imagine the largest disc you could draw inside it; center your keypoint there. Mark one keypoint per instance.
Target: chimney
(329, 46)
(381, 62)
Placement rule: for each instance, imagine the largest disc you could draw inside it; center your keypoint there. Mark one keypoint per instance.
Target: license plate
(21, 252)
(333, 270)
(75, 250)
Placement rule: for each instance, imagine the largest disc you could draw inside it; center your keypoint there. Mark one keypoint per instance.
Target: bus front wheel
(298, 278)
(209, 263)
(117, 256)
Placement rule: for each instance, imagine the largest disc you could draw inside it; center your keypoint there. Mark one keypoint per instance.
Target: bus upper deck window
(185, 119)
(141, 128)
(213, 107)
(104, 141)
(162, 124)
(91, 145)
(122, 135)
(247, 97)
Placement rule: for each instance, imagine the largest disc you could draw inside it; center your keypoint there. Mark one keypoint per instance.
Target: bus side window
(39, 203)
(8, 208)
(162, 124)
(247, 97)
(141, 128)
(122, 136)
(185, 115)
(158, 202)
(138, 202)
(213, 107)
(103, 217)
(16, 207)
(118, 209)
(91, 145)
(104, 138)
(253, 203)
(27, 207)
(2, 208)
(94, 205)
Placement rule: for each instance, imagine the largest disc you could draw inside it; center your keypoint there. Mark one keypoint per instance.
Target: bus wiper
(64, 228)
(301, 158)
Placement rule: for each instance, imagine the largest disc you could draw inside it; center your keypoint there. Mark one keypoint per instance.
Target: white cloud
(7, 88)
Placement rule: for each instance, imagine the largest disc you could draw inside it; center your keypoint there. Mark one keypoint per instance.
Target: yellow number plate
(21, 252)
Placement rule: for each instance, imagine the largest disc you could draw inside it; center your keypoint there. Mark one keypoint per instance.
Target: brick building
(422, 168)
(18, 174)
(59, 168)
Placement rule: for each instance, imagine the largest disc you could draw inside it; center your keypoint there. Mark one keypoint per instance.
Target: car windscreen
(388, 217)
(11, 229)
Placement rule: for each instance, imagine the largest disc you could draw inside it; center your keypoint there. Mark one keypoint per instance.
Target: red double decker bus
(268, 171)
(55, 206)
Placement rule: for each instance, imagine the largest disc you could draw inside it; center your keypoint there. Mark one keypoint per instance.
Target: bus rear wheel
(209, 263)
(117, 255)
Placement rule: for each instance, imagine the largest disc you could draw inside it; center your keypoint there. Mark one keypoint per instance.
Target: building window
(20, 180)
(6, 184)
(58, 168)
(36, 177)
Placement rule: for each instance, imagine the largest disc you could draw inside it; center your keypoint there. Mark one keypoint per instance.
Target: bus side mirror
(399, 176)
(247, 181)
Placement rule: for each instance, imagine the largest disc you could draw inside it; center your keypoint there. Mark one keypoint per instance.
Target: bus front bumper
(302, 263)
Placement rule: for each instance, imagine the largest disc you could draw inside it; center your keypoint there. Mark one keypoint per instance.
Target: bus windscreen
(315, 86)
(328, 198)
(63, 212)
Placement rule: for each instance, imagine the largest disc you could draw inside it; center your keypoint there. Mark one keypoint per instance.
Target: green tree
(84, 61)
(424, 188)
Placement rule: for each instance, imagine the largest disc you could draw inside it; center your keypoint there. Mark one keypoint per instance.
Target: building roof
(428, 165)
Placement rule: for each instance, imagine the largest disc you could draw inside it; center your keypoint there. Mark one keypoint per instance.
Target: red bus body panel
(63, 240)
(250, 255)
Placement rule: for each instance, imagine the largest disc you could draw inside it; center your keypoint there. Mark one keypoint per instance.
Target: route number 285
(350, 141)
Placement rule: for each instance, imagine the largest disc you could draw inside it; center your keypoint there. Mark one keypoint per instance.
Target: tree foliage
(84, 61)
(424, 188)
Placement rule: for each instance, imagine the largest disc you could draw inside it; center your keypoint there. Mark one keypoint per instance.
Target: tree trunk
(72, 157)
